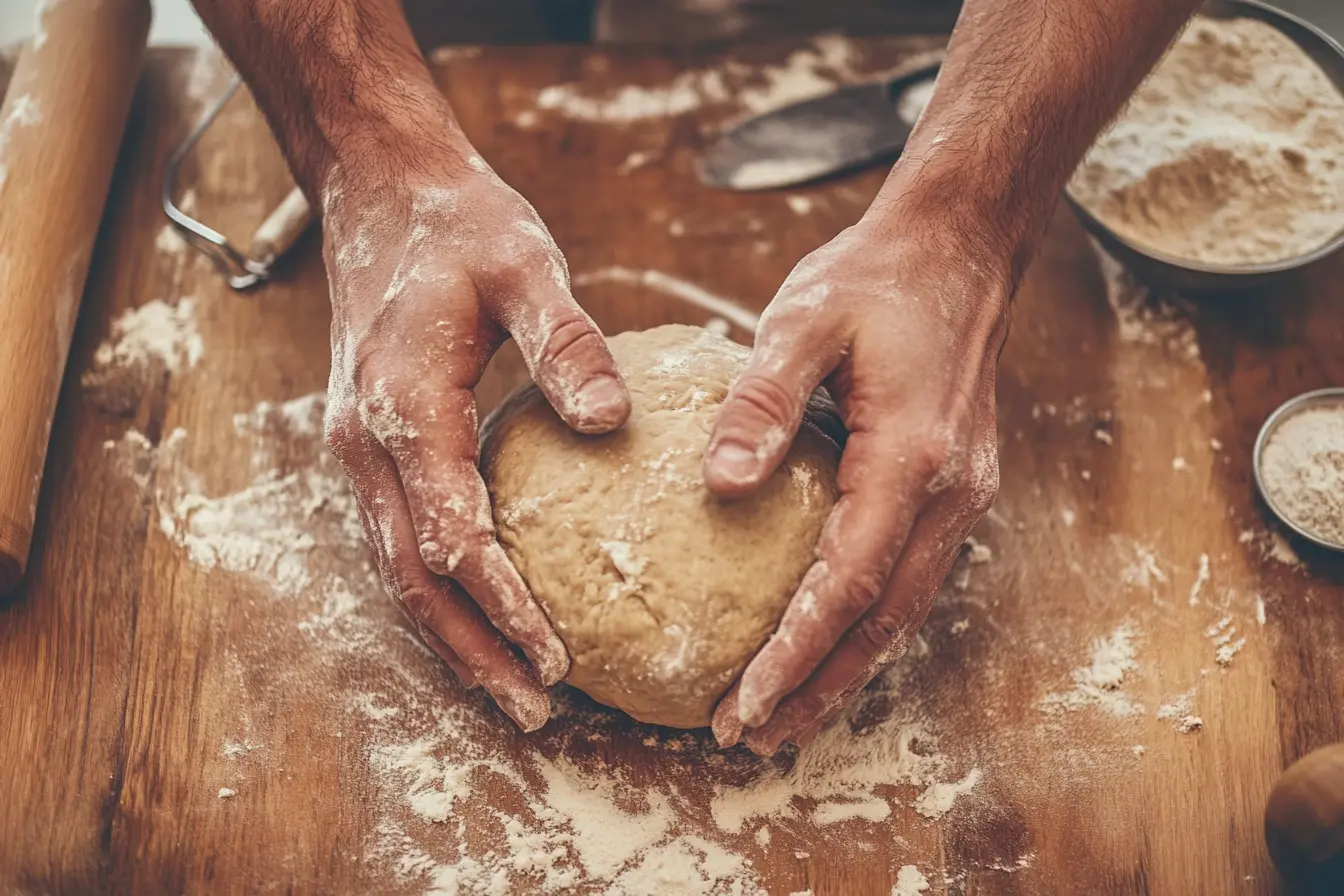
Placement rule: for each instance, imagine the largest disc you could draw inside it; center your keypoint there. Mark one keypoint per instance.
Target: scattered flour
(1098, 684)
(1144, 318)
(170, 242)
(156, 332)
(144, 343)
(132, 457)
(938, 798)
(1189, 724)
(24, 111)
(1271, 545)
(810, 71)
(1143, 571)
(1201, 579)
(235, 749)
(909, 882)
(1180, 711)
(573, 821)
(850, 768)
(1226, 644)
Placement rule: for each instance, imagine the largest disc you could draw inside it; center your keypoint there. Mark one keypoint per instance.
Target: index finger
(884, 632)
(883, 482)
(436, 460)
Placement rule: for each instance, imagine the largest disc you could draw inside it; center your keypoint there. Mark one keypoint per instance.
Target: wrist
(985, 177)
(981, 239)
(384, 148)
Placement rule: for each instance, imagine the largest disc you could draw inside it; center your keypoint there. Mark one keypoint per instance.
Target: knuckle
(418, 600)
(857, 594)
(882, 629)
(380, 400)
(765, 399)
(570, 339)
(442, 555)
(341, 432)
(518, 263)
(934, 461)
(804, 707)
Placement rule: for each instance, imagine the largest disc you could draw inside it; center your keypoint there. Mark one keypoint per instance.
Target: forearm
(341, 82)
(1026, 87)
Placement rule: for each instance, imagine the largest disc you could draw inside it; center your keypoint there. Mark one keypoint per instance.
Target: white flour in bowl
(1232, 152)
(1303, 470)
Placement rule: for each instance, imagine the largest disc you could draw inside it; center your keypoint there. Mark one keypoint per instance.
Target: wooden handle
(60, 126)
(281, 228)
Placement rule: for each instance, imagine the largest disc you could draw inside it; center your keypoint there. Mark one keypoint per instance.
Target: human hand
(904, 327)
(429, 274)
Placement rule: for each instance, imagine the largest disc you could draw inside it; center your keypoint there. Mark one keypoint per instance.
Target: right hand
(429, 275)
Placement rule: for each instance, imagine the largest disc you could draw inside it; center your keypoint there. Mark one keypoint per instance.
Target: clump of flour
(1098, 684)
(268, 529)
(144, 343)
(1227, 154)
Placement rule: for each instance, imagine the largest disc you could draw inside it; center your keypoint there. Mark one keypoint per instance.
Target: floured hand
(904, 330)
(428, 276)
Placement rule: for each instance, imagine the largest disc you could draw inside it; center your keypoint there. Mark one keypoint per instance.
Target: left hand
(903, 318)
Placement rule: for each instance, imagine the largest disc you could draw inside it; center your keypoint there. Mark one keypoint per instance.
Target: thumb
(569, 360)
(764, 409)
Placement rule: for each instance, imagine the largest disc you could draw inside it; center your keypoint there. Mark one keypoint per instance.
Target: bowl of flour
(1299, 466)
(1227, 166)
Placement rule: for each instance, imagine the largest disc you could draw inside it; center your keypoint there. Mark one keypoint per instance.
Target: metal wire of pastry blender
(240, 271)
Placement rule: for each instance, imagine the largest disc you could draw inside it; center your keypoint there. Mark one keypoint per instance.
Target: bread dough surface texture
(661, 591)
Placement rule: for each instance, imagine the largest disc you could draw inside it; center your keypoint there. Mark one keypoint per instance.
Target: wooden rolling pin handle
(60, 126)
(282, 228)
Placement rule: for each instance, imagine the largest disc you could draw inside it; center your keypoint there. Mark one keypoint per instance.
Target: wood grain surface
(142, 672)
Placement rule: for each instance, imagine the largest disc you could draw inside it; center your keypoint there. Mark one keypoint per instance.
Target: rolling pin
(60, 126)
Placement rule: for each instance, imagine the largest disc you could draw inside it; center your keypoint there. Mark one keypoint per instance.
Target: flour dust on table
(457, 802)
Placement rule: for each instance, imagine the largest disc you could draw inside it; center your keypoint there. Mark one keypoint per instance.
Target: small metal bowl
(1164, 270)
(1319, 398)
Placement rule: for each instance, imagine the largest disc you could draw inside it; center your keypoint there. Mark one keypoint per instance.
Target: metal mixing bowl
(1319, 398)
(1161, 269)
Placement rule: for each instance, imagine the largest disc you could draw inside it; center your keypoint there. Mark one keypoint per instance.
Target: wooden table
(137, 682)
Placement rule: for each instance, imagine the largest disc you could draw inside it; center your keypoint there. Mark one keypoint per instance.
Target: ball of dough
(661, 591)
(1304, 821)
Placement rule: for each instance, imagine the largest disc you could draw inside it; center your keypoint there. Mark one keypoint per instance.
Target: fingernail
(530, 712)
(756, 698)
(734, 462)
(763, 745)
(726, 728)
(553, 664)
(601, 403)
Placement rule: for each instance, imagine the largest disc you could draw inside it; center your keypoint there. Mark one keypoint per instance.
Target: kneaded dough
(661, 591)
